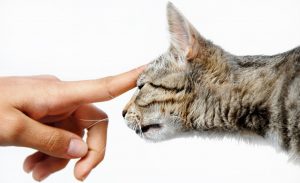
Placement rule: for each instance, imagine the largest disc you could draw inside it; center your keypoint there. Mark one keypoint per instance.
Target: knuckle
(106, 83)
(101, 158)
(52, 141)
(108, 80)
(100, 154)
(14, 126)
(64, 164)
(61, 163)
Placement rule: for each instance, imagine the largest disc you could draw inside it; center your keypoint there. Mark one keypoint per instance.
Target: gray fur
(197, 86)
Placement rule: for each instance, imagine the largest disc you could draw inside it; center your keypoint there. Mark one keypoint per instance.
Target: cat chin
(270, 139)
(160, 135)
(164, 133)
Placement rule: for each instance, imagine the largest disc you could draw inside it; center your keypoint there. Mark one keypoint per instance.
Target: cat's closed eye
(140, 86)
(167, 88)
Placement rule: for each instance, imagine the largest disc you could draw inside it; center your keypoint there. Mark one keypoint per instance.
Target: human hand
(50, 115)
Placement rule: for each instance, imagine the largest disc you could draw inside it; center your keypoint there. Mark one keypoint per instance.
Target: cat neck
(229, 109)
(244, 97)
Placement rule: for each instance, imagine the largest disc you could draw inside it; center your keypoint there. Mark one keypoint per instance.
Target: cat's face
(159, 108)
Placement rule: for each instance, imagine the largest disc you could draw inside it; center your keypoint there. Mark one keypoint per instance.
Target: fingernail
(142, 67)
(77, 148)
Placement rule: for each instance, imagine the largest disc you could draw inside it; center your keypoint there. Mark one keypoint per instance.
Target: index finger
(103, 89)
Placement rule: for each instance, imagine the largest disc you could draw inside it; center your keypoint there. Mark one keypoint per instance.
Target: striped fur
(197, 86)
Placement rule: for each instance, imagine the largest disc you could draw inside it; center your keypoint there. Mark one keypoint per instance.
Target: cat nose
(137, 131)
(124, 113)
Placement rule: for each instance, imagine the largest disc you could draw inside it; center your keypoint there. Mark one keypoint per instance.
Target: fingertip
(121, 83)
(26, 168)
(85, 165)
(140, 69)
(45, 168)
(32, 160)
(81, 170)
(38, 174)
(135, 73)
(39, 171)
(82, 177)
(26, 165)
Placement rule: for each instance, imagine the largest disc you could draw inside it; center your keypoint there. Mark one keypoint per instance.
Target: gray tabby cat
(198, 87)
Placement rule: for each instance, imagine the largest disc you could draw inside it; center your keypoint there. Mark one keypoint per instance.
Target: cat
(197, 87)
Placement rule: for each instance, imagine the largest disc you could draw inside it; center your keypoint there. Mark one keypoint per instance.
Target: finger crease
(110, 94)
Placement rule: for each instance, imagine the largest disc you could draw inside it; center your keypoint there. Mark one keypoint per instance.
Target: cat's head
(161, 106)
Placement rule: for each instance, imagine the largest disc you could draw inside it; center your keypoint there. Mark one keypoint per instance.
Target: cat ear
(184, 37)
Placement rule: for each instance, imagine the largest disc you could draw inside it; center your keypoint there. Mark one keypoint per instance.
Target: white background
(89, 39)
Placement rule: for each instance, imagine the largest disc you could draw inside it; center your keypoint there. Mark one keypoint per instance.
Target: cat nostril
(124, 113)
(137, 131)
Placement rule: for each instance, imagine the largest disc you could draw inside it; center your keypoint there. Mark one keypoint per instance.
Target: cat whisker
(95, 121)
(141, 132)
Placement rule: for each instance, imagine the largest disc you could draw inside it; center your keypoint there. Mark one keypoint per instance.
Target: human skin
(49, 115)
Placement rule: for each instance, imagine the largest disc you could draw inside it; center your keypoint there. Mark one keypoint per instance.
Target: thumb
(49, 140)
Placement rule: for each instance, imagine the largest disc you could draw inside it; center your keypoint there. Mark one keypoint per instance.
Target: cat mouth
(146, 128)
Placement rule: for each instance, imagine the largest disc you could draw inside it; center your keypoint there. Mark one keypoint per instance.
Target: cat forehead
(164, 61)
(163, 65)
